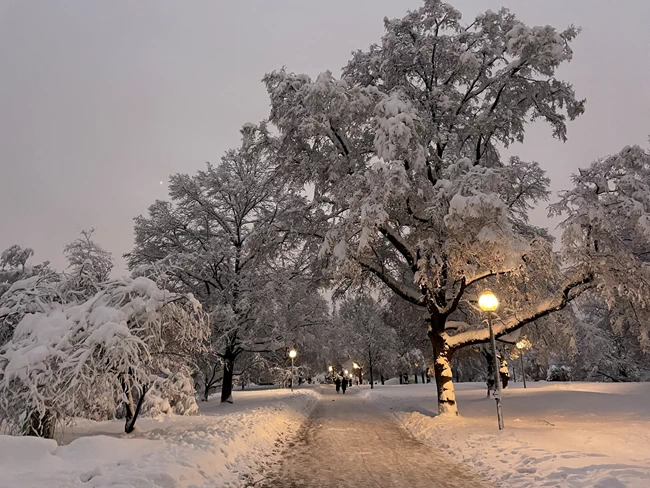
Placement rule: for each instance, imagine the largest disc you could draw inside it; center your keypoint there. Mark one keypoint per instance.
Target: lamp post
(292, 355)
(521, 346)
(358, 368)
(489, 303)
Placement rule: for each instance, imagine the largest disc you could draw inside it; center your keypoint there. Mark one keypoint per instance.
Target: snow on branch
(570, 291)
(407, 293)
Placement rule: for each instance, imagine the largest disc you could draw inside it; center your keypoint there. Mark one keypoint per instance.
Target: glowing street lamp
(489, 303)
(330, 369)
(521, 345)
(292, 355)
(359, 368)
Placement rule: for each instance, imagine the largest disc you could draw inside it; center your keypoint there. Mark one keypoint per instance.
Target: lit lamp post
(292, 355)
(521, 346)
(489, 303)
(358, 368)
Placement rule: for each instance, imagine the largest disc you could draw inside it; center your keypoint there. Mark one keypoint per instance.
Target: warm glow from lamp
(488, 302)
(330, 369)
(355, 365)
(520, 345)
(346, 371)
(293, 353)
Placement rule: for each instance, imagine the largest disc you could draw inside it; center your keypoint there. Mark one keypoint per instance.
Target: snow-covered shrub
(558, 373)
(88, 359)
(34, 294)
(172, 394)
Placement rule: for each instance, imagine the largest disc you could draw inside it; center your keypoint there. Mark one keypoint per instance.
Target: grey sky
(100, 101)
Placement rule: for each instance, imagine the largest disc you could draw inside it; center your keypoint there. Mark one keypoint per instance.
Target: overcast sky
(101, 100)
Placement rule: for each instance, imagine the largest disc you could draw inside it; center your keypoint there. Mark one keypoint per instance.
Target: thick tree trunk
(400, 379)
(415, 377)
(372, 382)
(444, 379)
(381, 377)
(226, 383)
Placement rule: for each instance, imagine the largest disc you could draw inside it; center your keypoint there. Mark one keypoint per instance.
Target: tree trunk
(400, 379)
(132, 416)
(415, 376)
(422, 376)
(39, 425)
(443, 374)
(226, 383)
(381, 377)
(372, 382)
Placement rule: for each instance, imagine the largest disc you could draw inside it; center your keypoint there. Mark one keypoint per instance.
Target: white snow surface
(556, 434)
(226, 446)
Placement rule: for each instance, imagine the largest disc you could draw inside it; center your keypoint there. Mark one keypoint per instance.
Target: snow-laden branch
(400, 244)
(569, 292)
(486, 274)
(407, 293)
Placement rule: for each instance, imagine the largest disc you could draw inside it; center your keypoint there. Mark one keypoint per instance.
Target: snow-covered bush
(172, 394)
(558, 373)
(88, 359)
(33, 294)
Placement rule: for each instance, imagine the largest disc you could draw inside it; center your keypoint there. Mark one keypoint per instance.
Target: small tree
(89, 264)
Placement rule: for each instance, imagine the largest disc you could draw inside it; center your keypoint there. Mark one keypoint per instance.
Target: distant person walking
(337, 382)
(344, 384)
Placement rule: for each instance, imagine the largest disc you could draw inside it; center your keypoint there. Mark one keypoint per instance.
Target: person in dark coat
(344, 384)
(337, 382)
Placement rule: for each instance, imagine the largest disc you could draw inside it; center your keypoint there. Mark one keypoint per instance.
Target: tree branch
(399, 244)
(408, 294)
(569, 292)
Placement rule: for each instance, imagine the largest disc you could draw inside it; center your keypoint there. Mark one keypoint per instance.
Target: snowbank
(561, 435)
(226, 446)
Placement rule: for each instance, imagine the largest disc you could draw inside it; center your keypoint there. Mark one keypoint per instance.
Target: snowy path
(347, 442)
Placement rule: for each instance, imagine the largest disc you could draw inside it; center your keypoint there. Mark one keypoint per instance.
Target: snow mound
(226, 446)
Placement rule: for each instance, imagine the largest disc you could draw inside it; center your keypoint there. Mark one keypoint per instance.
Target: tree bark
(444, 379)
(39, 425)
(415, 377)
(422, 376)
(226, 383)
(381, 377)
(129, 425)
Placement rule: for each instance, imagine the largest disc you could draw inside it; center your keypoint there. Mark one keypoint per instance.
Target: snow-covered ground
(225, 446)
(556, 434)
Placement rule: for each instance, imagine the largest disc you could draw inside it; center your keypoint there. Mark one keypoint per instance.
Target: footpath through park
(348, 442)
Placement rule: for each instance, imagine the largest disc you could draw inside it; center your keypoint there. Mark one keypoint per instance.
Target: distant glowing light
(293, 353)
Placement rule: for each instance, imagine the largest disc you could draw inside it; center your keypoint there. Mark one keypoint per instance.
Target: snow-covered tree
(607, 233)
(365, 335)
(14, 267)
(90, 358)
(217, 239)
(31, 290)
(608, 347)
(15, 257)
(89, 264)
(408, 185)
